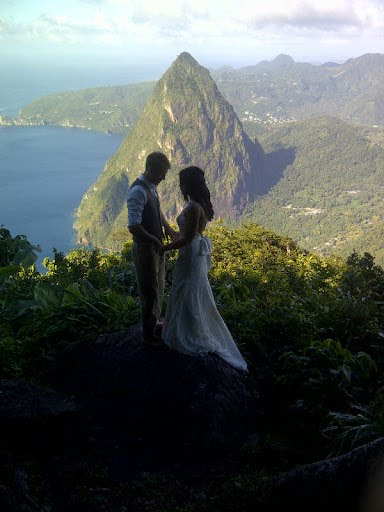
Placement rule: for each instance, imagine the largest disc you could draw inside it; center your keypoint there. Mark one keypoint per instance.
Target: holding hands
(174, 235)
(162, 248)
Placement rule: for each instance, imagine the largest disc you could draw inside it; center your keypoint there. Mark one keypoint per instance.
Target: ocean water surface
(44, 172)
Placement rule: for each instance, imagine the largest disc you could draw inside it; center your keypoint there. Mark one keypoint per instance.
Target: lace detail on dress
(192, 322)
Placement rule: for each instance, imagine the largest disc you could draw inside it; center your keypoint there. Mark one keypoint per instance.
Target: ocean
(45, 170)
(19, 85)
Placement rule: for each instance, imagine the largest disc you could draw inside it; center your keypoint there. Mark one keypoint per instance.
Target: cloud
(309, 17)
(122, 21)
(59, 29)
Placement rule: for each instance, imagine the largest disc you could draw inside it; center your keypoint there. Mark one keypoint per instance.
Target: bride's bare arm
(192, 216)
(169, 231)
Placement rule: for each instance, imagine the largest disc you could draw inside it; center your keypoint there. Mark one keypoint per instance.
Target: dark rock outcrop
(155, 397)
(137, 409)
(34, 417)
(10, 501)
(332, 485)
(20, 400)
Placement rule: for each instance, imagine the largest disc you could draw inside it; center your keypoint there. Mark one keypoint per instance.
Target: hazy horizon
(152, 33)
(157, 66)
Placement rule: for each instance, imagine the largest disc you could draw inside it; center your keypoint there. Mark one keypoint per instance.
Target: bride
(192, 322)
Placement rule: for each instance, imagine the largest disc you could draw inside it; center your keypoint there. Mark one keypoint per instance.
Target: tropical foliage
(82, 294)
(311, 328)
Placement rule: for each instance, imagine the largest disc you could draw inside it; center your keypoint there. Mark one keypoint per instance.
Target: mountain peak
(189, 120)
(368, 59)
(185, 59)
(283, 61)
(184, 66)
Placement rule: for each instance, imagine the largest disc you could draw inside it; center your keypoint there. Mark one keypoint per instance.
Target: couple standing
(192, 323)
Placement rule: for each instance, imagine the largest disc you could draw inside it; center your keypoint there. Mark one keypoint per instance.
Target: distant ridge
(282, 61)
(282, 90)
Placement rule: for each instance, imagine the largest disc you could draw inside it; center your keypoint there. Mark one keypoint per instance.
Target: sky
(215, 32)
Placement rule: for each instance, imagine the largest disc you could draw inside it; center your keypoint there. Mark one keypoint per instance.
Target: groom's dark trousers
(149, 266)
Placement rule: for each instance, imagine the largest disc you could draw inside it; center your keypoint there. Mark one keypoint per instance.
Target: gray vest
(151, 220)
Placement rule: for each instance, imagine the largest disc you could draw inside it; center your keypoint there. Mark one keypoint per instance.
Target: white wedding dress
(192, 322)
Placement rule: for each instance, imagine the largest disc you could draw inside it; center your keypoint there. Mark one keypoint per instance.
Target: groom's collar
(149, 184)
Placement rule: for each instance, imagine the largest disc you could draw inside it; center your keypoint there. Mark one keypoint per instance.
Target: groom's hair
(157, 161)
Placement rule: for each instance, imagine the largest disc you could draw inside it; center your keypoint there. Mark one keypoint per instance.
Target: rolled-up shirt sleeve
(136, 199)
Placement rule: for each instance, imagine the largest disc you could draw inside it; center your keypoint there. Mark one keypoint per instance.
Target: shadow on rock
(154, 399)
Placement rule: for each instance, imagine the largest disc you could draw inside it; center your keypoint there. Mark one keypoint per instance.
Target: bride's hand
(175, 235)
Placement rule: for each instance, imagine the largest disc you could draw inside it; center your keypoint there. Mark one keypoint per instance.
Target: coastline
(18, 121)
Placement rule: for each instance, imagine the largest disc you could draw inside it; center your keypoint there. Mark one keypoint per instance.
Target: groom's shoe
(154, 342)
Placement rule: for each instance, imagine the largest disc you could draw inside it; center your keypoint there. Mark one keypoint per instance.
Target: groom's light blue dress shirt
(136, 199)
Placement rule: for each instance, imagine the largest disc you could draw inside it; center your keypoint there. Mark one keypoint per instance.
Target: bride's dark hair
(193, 186)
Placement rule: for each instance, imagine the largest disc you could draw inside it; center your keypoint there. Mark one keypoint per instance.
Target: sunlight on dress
(192, 322)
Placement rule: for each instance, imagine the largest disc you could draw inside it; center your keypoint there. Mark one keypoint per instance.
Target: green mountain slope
(282, 90)
(331, 198)
(188, 119)
(103, 108)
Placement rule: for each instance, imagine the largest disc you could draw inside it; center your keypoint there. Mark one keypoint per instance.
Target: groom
(147, 224)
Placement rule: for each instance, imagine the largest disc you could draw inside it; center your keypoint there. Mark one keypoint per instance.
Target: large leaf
(8, 271)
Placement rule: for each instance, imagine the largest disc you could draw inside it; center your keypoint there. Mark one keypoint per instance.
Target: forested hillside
(331, 198)
(113, 109)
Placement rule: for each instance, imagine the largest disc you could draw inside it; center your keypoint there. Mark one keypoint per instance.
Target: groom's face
(157, 174)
